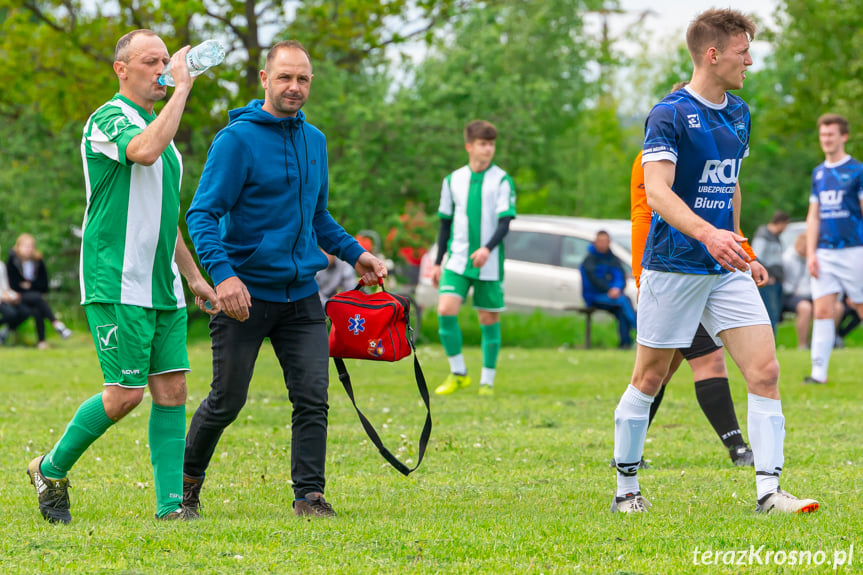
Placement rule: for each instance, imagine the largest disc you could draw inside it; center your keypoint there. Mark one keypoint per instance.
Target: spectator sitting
(12, 312)
(29, 277)
(602, 283)
(339, 275)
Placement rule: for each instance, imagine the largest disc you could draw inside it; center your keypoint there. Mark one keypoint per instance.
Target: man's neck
(477, 166)
(835, 157)
(147, 105)
(707, 88)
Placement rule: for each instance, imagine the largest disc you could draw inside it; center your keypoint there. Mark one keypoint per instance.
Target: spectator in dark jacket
(12, 312)
(769, 248)
(602, 283)
(29, 278)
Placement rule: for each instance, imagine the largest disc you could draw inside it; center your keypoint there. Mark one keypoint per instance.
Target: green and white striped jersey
(474, 202)
(130, 225)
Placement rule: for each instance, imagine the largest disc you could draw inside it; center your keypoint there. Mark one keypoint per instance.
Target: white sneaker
(630, 503)
(784, 502)
(61, 328)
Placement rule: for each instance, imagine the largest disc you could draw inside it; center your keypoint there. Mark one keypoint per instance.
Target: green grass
(517, 483)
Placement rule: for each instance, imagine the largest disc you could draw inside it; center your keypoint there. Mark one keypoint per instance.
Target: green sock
(167, 445)
(89, 424)
(490, 344)
(450, 334)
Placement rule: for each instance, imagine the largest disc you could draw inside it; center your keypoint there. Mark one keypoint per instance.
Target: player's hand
(725, 248)
(180, 70)
(435, 276)
(759, 273)
(614, 293)
(812, 266)
(479, 257)
(234, 298)
(205, 297)
(370, 269)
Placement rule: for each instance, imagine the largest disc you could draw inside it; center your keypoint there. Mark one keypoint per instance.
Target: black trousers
(298, 333)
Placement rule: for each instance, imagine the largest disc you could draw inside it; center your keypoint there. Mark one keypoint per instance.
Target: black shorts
(702, 344)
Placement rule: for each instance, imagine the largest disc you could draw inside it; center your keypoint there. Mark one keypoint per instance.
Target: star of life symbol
(356, 324)
(693, 121)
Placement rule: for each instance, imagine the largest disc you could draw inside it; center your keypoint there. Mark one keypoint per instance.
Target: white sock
(487, 376)
(767, 437)
(823, 336)
(456, 364)
(630, 429)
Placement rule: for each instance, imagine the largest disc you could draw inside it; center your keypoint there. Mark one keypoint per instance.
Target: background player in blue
(695, 269)
(834, 237)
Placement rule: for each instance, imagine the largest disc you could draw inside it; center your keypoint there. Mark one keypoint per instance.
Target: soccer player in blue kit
(834, 237)
(694, 267)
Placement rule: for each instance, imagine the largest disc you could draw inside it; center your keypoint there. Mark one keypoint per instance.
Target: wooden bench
(588, 312)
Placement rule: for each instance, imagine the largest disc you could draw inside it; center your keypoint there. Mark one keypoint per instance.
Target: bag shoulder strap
(345, 378)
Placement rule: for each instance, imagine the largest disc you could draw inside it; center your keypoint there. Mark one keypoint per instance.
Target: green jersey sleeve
(506, 198)
(110, 134)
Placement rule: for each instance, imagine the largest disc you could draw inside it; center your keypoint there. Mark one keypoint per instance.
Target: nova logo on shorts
(130, 371)
(720, 171)
(107, 336)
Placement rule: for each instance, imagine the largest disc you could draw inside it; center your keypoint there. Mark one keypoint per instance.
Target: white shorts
(839, 271)
(671, 305)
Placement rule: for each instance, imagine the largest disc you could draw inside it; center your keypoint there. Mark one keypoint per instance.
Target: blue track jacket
(600, 273)
(260, 211)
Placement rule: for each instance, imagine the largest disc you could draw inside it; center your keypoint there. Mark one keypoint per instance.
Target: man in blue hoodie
(602, 283)
(257, 219)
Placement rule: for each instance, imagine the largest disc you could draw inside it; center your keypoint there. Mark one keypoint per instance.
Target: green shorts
(134, 342)
(487, 295)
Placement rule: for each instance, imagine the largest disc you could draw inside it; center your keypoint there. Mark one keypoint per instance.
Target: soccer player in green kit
(132, 255)
(476, 206)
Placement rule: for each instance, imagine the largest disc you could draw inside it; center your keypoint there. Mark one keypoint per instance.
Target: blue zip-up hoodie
(599, 273)
(260, 211)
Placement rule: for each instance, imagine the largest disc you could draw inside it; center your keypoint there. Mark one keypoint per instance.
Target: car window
(573, 251)
(533, 247)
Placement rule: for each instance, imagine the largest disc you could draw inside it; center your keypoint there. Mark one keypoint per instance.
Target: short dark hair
(602, 233)
(714, 28)
(780, 217)
(121, 51)
(479, 130)
(286, 45)
(830, 119)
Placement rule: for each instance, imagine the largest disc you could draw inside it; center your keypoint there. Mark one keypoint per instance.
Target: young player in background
(476, 205)
(834, 238)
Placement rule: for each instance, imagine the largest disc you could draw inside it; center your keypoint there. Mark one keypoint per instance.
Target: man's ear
(120, 70)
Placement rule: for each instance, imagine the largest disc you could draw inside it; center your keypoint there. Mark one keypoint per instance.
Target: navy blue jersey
(707, 143)
(838, 190)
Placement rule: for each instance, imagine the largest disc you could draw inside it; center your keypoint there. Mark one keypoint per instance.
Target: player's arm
(480, 256)
(147, 147)
(640, 214)
(813, 226)
(204, 293)
(723, 245)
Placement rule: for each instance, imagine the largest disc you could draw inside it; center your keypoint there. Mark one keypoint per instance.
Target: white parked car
(543, 257)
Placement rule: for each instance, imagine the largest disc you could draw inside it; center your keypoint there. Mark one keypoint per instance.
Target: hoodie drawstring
(306, 149)
(287, 167)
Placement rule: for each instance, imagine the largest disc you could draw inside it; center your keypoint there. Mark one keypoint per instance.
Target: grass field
(517, 483)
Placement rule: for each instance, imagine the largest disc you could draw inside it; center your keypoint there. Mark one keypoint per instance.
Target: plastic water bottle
(199, 59)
